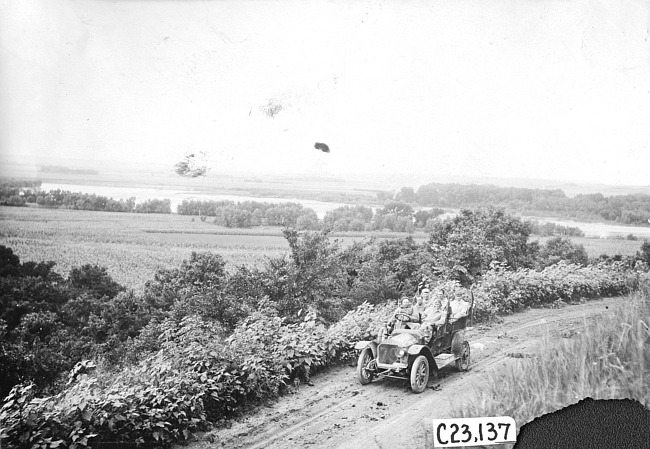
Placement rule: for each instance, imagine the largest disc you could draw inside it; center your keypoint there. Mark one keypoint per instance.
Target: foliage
(546, 229)
(562, 249)
(348, 218)
(422, 217)
(195, 379)
(14, 192)
(465, 246)
(627, 209)
(251, 213)
(48, 323)
(196, 288)
(95, 279)
(154, 206)
(644, 252)
(308, 279)
(502, 291)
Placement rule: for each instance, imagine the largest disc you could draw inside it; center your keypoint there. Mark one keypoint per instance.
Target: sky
(556, 90)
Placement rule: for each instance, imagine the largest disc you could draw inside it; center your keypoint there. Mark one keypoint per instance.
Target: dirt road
(339, 412)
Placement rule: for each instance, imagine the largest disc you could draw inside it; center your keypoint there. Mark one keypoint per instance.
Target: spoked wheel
(364, 372)
(462, 363)
(419, 374)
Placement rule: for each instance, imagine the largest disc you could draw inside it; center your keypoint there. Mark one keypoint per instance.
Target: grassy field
(595, 246)
(134, 246)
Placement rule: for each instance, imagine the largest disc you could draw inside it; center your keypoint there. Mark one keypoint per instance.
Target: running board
(444, 359)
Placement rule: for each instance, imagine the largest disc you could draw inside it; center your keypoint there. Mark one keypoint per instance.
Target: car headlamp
(401, 352)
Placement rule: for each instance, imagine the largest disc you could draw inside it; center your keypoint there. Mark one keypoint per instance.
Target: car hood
(401, 340)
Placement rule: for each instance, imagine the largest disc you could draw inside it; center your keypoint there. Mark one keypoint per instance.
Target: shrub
(503, 292)
(562, 249)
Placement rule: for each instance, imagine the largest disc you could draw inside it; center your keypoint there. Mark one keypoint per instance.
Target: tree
(311, 277)
(423, 216)
(465, 246)
(562, 249)
(644, 252)
(9, 262)
(406, 195)
(95, 279)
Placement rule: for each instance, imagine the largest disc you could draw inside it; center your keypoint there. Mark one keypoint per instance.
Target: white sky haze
(503, 88)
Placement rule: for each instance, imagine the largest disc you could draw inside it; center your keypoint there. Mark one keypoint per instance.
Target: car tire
(365, 376)
(457, 344)
(462, 363)
(419, 374)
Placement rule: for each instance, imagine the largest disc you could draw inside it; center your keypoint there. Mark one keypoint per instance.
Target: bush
(503, 292)
(95, 279)
(562, 249)
(465, 246)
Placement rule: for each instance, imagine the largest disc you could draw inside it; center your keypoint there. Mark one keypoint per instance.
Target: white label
(457, 432)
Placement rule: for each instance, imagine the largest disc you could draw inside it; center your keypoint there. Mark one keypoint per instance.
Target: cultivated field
(131, 246)
(134, 246)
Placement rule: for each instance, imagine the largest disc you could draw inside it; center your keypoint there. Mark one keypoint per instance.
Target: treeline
(548, 229)
(12, 191)
(19, 193)
(626, 209)
(245, 214)
(394, 216)
(201, 341)
(89, 201)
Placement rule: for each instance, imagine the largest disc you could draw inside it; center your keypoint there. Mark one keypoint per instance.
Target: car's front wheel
(364, 373)
(419, 374)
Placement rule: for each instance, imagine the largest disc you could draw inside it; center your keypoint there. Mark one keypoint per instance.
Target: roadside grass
(606, 359)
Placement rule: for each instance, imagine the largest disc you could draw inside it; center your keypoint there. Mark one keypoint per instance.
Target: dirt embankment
(339, 412)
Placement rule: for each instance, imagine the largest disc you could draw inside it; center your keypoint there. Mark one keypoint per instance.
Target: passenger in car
(459, 307)
(434, 316)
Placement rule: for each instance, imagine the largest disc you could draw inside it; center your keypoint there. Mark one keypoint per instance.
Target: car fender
(365, 344)
(416, 350)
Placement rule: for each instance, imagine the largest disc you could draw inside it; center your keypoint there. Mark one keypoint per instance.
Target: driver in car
(405, 315)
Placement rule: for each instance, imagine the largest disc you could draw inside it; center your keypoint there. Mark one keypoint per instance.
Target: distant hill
(61, 170)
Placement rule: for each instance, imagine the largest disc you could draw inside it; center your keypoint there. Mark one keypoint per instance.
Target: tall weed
(608, 359)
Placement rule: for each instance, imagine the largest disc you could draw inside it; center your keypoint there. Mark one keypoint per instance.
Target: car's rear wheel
(419, 374)
(462, 363)
(457, 343)
(365, 374)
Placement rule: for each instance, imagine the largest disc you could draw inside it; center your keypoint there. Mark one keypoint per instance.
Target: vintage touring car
(406, 355)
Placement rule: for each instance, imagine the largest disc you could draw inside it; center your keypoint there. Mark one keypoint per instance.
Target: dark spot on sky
(323, 147)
